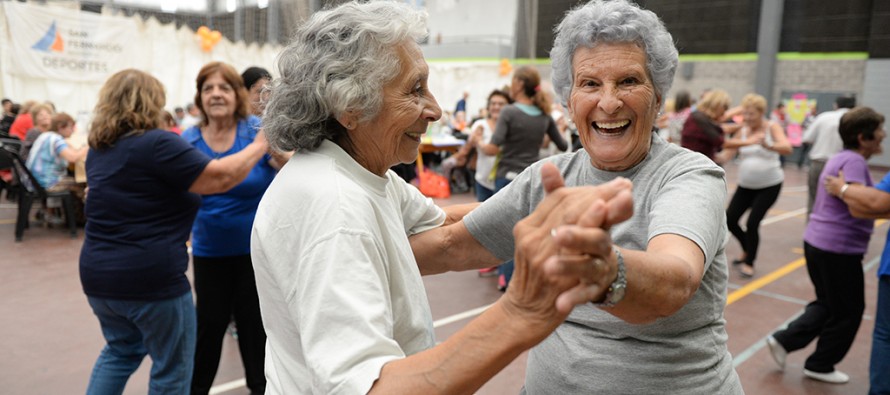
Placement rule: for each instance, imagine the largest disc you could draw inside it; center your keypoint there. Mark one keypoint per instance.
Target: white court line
(460, 316)
(226, 387)
(783, 217)
(474, 312)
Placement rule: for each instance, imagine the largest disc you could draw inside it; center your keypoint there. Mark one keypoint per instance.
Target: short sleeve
(58, 144)
(856, 171)
(341, 301)
(176, 161)
(691, 204)
(419, 213)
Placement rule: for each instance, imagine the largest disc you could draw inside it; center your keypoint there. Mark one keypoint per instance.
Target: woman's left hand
(834, 184)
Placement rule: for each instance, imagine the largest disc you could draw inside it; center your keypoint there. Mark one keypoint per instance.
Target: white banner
(68, 45)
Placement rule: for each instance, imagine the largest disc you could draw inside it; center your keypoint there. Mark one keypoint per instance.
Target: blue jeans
(483, 193)
(162, 329)
(506, 268)
(879, 370)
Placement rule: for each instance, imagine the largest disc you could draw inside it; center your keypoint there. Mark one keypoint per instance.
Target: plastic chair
(30, 190)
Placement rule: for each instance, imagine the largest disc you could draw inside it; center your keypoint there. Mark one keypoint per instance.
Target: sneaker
(777, 351)
(488, 272)
(502, 283)
(833, 377)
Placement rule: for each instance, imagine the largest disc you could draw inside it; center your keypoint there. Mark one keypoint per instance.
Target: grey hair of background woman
(337, 63)
(616, 21)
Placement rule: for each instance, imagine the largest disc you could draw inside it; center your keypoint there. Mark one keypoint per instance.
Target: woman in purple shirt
(834, 245)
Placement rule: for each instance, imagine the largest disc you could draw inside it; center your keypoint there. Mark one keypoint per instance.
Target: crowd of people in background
(200, 174)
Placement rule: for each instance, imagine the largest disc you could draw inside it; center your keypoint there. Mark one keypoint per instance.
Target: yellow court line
(763, 281)
(7, 221)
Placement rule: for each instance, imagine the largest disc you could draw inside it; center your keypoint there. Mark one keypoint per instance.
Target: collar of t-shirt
(529, 109)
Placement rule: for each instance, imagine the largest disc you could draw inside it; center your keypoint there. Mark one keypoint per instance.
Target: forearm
(455, 213)
(449, 248)
(223, 174)
(466, 360)
(661, 280)
(865, 202)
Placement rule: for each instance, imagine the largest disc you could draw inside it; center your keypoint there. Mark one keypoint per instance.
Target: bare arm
(73, 155)
(455, 213)
(780, 141)
(863, 201)
(223, 174)
(660, 280)
(489, 149)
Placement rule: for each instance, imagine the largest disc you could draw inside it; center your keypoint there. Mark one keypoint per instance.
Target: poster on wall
(68, 45)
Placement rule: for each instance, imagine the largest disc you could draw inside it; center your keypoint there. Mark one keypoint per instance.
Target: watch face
(617, 293)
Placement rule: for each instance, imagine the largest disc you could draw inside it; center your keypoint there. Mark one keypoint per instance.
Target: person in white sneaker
(835, 268)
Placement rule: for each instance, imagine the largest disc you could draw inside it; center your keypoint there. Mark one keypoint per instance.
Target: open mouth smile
(613, 128)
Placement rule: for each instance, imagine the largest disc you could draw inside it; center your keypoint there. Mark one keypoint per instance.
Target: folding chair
(30, 190)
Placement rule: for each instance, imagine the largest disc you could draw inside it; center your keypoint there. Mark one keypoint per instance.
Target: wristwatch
(618, 287)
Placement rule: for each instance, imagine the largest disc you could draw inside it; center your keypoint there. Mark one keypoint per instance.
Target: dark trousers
(225, 288)
(813, 174)
(759, 201)
(879, 370)
(835, 315)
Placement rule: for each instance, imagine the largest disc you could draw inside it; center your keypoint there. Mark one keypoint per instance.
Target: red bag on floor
(433, 184)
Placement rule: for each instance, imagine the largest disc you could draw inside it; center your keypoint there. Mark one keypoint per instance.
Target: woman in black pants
(759, 143)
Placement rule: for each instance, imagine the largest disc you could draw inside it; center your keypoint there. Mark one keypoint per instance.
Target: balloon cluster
(506, 68)
(208, 38)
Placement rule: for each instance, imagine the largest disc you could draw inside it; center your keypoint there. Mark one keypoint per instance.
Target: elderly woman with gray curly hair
(343, 303)
(658, 323)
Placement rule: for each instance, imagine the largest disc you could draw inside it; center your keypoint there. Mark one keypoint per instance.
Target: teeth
(612, 125)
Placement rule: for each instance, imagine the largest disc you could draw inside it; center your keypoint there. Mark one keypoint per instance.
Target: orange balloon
(203, 31)
(505, 68)
(206, 46)
(215, 36)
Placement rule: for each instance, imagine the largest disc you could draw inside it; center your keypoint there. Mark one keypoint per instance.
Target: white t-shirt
(484, 163)
(675, 191)
(824, 134)
(339, 289)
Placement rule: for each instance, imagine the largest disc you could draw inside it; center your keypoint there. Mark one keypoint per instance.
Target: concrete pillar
(768, 37)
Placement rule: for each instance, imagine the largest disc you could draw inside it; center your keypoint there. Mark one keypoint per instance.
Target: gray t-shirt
(675, 191)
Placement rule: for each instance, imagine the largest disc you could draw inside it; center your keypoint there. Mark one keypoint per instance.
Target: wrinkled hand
(833, 184)
(554, 273)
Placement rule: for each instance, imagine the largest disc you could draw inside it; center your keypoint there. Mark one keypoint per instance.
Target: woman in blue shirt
(223, 273)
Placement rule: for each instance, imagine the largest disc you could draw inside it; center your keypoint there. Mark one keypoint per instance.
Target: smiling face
(218, 97)
(868, 148)
(613, 103)
(495, 105)
(752, 116)
(393, 136)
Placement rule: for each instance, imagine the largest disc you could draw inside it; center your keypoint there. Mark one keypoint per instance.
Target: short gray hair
(616, 21)
(338, 62)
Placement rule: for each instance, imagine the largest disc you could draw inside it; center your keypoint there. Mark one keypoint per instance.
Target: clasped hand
(564, 253)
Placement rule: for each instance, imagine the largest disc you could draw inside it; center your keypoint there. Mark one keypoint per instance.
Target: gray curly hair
(615, 21)
(338, 62)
